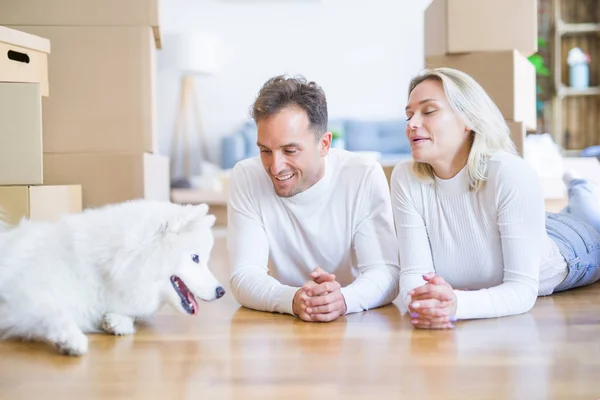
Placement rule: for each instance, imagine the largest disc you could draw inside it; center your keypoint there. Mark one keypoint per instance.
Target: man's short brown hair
(281, 92)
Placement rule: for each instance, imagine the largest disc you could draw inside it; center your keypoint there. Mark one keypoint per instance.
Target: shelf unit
(576, 112)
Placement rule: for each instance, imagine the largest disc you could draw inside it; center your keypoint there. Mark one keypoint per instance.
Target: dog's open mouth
(188, 300)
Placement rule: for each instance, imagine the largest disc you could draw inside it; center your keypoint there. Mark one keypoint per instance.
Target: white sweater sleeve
(251, 284)
(375, 248)
(411, 232)
(521, 223)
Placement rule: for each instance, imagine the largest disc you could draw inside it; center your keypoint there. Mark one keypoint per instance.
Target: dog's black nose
(220, 292)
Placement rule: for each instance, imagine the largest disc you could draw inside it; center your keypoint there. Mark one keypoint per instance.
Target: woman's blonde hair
(473, 105)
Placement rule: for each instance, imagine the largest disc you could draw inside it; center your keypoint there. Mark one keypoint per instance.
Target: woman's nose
(414, 121)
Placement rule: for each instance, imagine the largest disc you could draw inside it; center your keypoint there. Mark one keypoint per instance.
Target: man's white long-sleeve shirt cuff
(351, 299)
(285, 299)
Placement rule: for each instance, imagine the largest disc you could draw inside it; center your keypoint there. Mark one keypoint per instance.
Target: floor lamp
(195, 59)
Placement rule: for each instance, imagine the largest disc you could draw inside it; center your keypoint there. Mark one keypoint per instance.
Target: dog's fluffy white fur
(100, 269)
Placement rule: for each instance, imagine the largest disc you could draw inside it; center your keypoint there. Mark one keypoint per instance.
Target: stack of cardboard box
(23, 82)
(99, 125)
(490, 40)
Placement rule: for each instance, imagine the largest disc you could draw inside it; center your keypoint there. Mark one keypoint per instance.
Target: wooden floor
(228, 352)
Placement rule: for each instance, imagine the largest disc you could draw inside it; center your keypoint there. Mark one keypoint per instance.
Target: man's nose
(278, 164)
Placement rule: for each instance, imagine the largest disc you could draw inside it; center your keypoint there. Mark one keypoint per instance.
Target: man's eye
(290, 151)
(195, 258)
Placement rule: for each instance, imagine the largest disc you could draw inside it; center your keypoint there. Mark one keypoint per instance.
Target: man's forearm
(375, 287)
(255, 289)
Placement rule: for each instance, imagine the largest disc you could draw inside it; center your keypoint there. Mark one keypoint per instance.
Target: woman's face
(437, 135)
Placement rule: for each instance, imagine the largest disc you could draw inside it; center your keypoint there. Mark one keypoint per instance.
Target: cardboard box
(103, 97)
(517, 134)
(24, 58)
(82, 13)
(21, 148)
(465, 26)
(110, 177)
(507, 76)
(39, 203)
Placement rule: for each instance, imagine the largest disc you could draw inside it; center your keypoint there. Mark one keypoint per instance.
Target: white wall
(362, 52)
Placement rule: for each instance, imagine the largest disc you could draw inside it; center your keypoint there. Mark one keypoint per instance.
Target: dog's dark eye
(195, 258)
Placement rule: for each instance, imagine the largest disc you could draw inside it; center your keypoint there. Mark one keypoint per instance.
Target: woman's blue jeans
(576, 231)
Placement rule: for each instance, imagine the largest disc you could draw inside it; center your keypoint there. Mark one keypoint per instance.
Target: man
(310, 229)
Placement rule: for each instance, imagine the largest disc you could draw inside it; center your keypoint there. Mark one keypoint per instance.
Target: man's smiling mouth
(284, 177)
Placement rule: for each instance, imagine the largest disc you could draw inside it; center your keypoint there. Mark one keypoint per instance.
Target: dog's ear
(201, 209)
(186, 219)
(210, 220)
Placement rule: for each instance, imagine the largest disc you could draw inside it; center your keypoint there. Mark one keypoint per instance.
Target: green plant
(538, 61)
(541, 70)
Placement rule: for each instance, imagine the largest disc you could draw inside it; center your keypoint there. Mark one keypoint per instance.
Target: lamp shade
(196, 54)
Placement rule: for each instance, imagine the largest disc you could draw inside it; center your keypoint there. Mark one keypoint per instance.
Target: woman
(475, 241)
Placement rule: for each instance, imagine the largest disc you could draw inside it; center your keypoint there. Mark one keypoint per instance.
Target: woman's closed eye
(427, 112)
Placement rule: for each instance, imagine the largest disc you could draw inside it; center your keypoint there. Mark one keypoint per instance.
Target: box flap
(23, 39)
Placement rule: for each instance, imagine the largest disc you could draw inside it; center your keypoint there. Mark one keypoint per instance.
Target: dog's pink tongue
(192, 300)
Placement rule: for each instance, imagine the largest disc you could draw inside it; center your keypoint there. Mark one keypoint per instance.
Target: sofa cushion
(233, 149)
(387, 136)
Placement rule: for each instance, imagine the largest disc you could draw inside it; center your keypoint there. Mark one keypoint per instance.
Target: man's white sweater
(343, 224)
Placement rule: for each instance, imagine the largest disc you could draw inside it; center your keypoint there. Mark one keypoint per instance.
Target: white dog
(100, 269)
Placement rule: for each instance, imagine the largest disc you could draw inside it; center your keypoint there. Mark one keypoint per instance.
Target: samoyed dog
(100, 269)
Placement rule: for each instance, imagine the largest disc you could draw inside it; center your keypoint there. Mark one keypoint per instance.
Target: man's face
(290, 152)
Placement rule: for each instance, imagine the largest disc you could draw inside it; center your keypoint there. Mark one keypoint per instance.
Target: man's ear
(325, 143)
